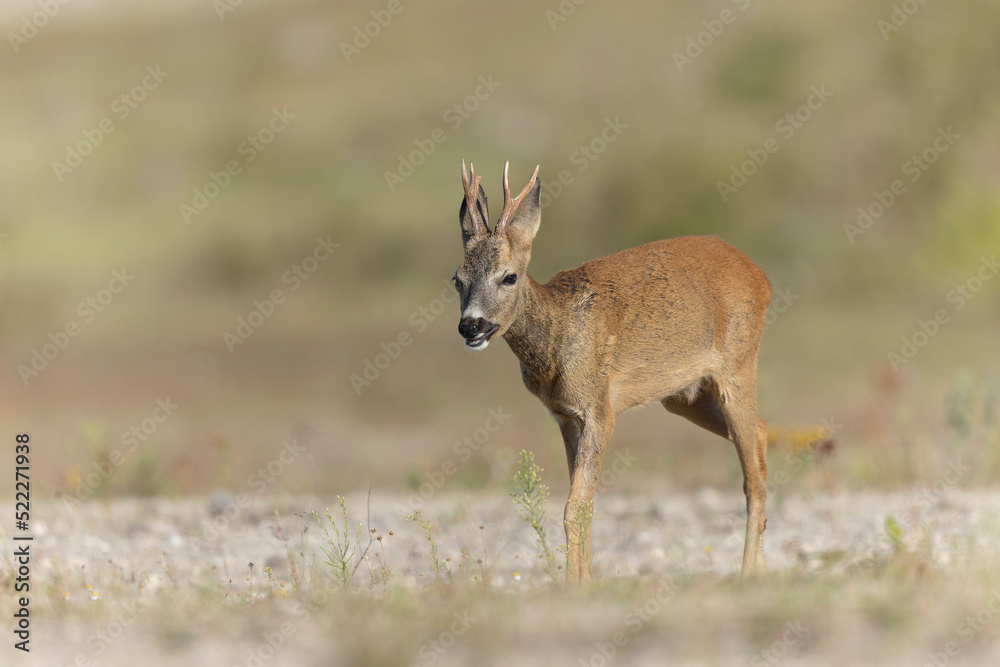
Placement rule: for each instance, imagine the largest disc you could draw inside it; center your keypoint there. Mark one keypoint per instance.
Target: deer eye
(458, 283)
(509, 279)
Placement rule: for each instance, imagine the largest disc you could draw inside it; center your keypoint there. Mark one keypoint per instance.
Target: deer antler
(472, 199)
(510, 205)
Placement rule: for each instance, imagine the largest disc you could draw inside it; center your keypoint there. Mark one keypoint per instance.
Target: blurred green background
(554, 86)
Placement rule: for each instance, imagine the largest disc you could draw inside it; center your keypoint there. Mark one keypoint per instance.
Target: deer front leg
(585, 438)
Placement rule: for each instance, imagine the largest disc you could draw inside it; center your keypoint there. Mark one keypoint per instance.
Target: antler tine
(510, 204)
(472, 198)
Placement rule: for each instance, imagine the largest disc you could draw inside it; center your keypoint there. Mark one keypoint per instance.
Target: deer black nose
(470, 327)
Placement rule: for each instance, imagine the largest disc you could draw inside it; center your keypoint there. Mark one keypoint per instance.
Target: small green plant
(339, 549)
(289, 550)
(468, 567)
(530, 495)
(895, 533)
(906, 562)
(378, 562)
(476, 569)
(419, 519)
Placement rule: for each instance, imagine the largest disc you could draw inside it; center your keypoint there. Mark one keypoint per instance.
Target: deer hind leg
(585, 439)
(762, 459)
(749, 433)
(712, 414)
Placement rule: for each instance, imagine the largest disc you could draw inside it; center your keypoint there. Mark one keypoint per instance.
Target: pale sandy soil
(169, 584)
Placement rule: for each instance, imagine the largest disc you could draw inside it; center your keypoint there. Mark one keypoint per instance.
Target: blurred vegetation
(325, 175)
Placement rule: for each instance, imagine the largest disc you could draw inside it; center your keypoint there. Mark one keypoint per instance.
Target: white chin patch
(477, 344)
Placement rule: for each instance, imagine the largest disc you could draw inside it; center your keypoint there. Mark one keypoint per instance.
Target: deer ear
(524, 222)
(470, 228)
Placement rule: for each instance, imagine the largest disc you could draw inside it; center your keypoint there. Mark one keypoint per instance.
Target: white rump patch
(690, 393)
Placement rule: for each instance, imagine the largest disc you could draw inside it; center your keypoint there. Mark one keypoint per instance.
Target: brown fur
(677, 321)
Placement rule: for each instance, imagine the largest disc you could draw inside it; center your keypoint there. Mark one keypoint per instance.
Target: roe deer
(677, 321)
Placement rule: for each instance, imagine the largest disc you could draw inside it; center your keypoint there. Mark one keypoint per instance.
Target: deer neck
(533, 335)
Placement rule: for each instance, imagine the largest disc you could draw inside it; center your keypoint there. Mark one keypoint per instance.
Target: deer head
(492, 277)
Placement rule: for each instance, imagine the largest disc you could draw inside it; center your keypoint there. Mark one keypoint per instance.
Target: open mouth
(482, 340)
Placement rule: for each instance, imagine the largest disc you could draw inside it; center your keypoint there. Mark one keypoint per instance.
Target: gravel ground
(177, 550)
(678, 536)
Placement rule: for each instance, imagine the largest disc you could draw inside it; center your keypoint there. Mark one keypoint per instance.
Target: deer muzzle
(477, 332)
